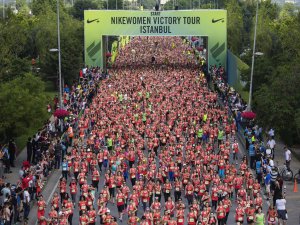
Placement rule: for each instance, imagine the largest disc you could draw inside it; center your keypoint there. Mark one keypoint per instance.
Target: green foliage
(113, 4)
(71, 45)
(235, 26)
(148, 4)
(14, 48)
(276, 73)
(22, 105)
(277, 100)
(79, 6)
(39, 7)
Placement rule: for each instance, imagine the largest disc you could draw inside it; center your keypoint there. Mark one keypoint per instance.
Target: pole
(3, 9)
(59, 63)
(116, 4)
(253, 57)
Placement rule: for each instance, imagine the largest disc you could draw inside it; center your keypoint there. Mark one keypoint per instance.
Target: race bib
(120, 200)
(167, 191)
(206, 182)
(192, 220)
(177, 189)
(250, 217)
(189, 192)
(180, 220)
(41, 208)
(240, 219)
(250, 187)
(272, 219)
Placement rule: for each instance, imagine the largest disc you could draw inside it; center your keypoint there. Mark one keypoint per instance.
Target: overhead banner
(209, 23)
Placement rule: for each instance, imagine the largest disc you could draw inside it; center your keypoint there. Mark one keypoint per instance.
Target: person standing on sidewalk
(26, 202)
(288, 157)
(57, 153)
(6, 159)
(29, 149)
(272, 143)
(12, 148)
(252, 155)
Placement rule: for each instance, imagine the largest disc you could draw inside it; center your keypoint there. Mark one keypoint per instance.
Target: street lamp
(253, 57)
(59, 60)
(3, 9)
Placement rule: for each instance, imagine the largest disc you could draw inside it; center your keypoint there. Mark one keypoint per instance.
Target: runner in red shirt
(41, 207)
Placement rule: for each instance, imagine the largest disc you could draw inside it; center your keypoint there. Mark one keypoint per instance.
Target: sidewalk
(14, 178)
(293, 199)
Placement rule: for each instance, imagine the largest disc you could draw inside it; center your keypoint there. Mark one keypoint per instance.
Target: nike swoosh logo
(90, 21)
(214, 21)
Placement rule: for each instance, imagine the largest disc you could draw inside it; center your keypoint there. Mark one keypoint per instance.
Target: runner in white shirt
(281, 209)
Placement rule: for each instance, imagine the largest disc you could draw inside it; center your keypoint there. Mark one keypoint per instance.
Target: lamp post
(3, 9)
(59, 62)
(253, 58)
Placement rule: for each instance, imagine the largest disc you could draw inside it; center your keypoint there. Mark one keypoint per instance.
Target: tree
(71, 45)
(39, 7)
(235, 26)
(22, 105)
(81, 5)
(15, 49)
(113, 4)
(277, 101)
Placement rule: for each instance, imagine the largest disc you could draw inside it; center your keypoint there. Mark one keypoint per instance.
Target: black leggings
(221, 221)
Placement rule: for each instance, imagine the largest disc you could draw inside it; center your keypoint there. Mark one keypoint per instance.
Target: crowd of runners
(154, 146)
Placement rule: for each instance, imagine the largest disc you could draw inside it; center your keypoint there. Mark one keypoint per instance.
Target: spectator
(29, 149)
(58, 154)
(272, 143)
(12, 149)
(288, 157)
(252, 155)
(26, 203)
(65, 169)
(271, 133)
(268, 183)
(6, 159)
(277, 193)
